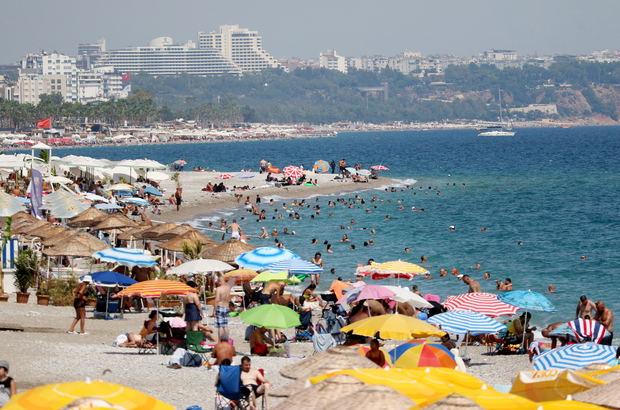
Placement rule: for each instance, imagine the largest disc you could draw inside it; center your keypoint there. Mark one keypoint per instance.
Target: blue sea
(555, 190)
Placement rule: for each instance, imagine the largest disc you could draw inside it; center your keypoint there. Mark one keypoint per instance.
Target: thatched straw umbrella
(23, 215)
(609, 377)
(375, 397)
(592, 367)
(228, 251)
(319, 394)
(53, 240)
(454, 402)
(78, 245)
(46, 231)
(607, 395)
(174, 232)
(90, 217)
(340, 357)
(27, 225)
(157, 230)
(130, 234)
(115, 221)
(189, 238)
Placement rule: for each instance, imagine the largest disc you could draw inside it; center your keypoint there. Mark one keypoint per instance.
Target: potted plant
(43, 296)
(26, 267)
(60, 290)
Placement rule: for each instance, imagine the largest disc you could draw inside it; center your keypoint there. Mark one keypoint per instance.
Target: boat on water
(498, 130)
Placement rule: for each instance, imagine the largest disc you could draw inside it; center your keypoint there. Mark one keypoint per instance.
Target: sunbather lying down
(146, 336)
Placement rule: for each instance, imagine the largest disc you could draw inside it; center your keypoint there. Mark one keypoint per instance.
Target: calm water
(556, 190)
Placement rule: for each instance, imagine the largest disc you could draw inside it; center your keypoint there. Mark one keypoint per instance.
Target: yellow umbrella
(451, 376)
(400, 327)
(569, 405)
(422, 391)
(98, 394)
(552, 384)
(398, 267)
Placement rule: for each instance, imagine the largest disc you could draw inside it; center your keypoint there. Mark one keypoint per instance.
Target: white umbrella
(9, 205)
(53, 179)
(200, 266)
(156, 176)
(141, 163)
(404, 295)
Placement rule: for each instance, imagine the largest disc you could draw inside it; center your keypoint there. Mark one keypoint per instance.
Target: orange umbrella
(274, 170)
(156, 288)
(241, 276)
(338, 286)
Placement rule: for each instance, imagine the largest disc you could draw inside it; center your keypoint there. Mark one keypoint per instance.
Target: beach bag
(248, 332)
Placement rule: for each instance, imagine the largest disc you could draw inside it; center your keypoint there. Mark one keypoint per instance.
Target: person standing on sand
(333, 165)
(178, 196)
(222, 300)
(79, 303)
(193, 309)
(584, 307)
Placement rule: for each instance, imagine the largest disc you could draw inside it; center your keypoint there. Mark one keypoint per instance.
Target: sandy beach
(44, 353)
(196, 201)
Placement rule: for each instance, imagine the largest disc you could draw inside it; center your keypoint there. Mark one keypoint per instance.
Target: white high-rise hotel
(239, 45)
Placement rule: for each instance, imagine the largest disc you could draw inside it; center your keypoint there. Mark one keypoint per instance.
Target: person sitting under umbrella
(374, 354)
(517, 326)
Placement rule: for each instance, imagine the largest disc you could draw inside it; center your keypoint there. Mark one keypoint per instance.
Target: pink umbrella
(366, 292)
(225, 176)
(293, 172)
(431, 298)
(380, 168)
(485, 303)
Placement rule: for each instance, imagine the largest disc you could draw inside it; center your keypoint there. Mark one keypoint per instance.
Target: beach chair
(499, 344)
(304, 332)
(228, 393)
(171, 339)
(193, 341)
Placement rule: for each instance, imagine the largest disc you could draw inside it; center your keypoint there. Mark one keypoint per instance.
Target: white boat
(497, 130)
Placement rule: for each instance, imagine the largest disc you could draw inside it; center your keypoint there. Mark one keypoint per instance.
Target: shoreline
(198, 203)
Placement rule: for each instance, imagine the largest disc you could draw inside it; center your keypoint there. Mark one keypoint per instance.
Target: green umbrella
(271, 317)
(268, 276)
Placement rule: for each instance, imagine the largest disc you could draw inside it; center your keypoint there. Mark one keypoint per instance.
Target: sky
(293, 28)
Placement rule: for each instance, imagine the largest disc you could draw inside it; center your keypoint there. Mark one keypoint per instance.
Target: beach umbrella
(271, 317)
(569, 405)
(115, 221)
(293, 172)
(85, 395)
(121, 188)
(152, 191)
(373, 397)
(296, 267)
(395, 267)
(366, 292)
(365, 348)
(128, 234)
(335, 358)
(421, 353)
(154, 231)
(422, 391)
(200, 266)
(157, 288)
(125, 257)
(240, 275)
(134, 201)
(107, 207)
(245, 175)
(228, 251)
(261, 257)
(89, 217)
(404, 295)
(321, 166)
(68, 210)
(93, 197)
(550, 385)
(178, 231)
(26, 225)
(485, 303)
(47, 231)
(225, 176)
(454, 402)
(607, 395)
(399, 327)
(380, 168)
(587, 330)
(352, 170)
(528, 300)
(268, 276)
(156, 176)
(59, 237)
(189, 239)
(574, 356)
(317, 395)
(141, 163)
(111, 278)
(462, 321)
(54, 179)
(78, 245)
(274, 170)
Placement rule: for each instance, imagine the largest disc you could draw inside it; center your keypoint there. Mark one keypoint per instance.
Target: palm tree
(192, 252)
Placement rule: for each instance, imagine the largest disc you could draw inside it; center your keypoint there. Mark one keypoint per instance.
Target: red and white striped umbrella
(225, 176)
(293, 172)
(380, 168)
(485, 303)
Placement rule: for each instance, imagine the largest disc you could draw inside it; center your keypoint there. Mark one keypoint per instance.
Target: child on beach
(7, 384)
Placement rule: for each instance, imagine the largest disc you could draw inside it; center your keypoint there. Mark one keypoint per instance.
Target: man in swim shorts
(222, 299)
(234, 227)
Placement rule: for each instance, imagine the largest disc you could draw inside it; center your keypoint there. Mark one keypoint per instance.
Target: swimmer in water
(387, 218)
(551, 289)
(487, 276)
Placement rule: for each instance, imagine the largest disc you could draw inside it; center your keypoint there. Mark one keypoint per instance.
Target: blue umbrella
(245, 175)
(261, 257)
(111, 278)
(462, 321)
(296, 267)
(153, 191)
(364, 172)
(125, 257)
(575, 356)
(105, 207)
(352, 170)
(528, 300)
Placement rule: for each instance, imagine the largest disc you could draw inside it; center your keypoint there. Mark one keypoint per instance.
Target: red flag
(46, 123)
(125, 77)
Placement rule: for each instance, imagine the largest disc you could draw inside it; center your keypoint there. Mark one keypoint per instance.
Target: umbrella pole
(466, 343)
(107, 300)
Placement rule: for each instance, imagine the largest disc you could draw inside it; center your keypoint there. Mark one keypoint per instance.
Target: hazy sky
(296, 28)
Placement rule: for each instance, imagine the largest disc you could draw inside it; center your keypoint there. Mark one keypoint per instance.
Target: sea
(555, 190)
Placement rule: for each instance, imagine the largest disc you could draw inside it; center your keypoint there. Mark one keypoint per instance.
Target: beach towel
(184, 358)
